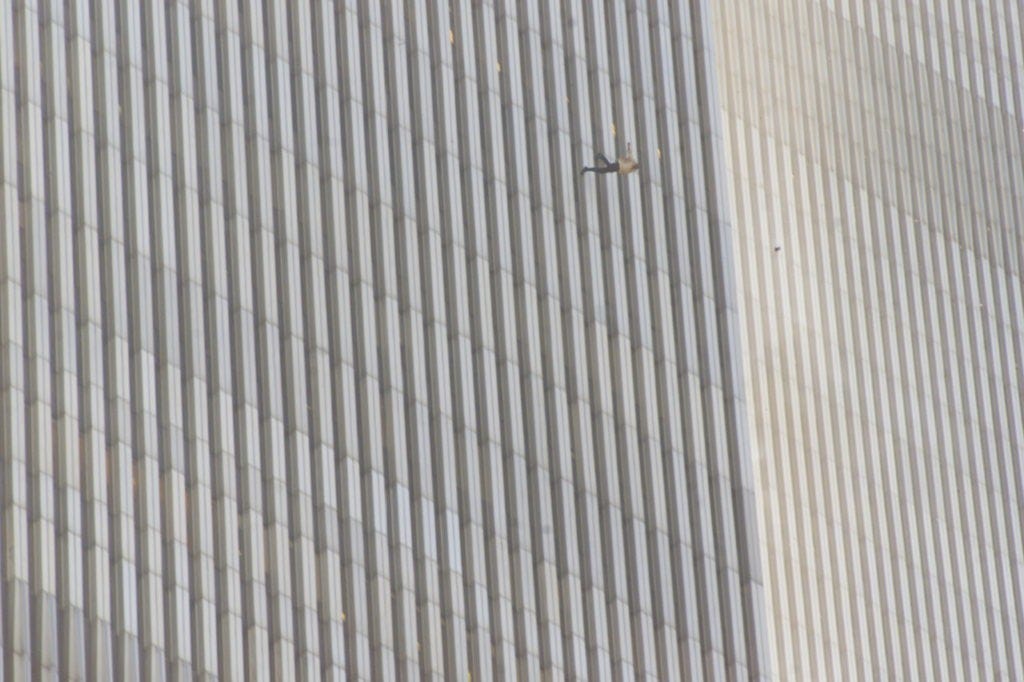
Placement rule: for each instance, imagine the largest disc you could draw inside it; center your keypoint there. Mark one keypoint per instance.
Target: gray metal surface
(318, 357)
(876, 151)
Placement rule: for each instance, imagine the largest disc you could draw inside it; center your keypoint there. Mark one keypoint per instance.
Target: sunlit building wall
(318, 358)
(875, 158)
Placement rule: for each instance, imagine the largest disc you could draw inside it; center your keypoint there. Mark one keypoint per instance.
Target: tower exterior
(318, 357)
(876, 159)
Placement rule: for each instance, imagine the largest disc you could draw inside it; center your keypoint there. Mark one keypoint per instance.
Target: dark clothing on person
(603, 165)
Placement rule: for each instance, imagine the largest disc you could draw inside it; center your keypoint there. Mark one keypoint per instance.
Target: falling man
(624, 164)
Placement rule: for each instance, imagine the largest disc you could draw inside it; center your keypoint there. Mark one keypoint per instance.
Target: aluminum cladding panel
(318, 357)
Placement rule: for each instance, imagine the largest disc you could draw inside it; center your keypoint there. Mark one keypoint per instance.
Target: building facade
(876, 159)
(318, 357)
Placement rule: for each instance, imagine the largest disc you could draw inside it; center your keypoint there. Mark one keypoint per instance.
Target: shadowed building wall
(318, 357)
(876, 157)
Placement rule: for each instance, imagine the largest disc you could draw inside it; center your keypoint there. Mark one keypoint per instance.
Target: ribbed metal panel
(876, 151)
(318, 357)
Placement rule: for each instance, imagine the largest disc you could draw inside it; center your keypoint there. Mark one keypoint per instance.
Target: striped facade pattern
(319, 359)
(876, 157)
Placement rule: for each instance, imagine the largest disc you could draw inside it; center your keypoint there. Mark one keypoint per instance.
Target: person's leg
(607, 168)
(603, 165)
